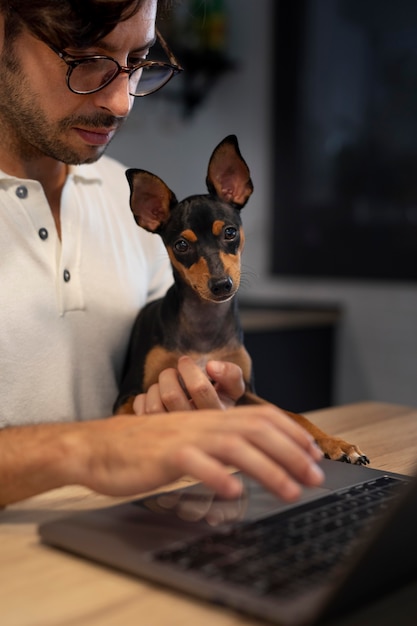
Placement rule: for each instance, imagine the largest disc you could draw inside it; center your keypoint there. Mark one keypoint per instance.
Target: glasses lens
(91, 74)
(146, 80)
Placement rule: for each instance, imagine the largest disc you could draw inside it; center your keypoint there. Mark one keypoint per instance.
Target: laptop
(343, 544)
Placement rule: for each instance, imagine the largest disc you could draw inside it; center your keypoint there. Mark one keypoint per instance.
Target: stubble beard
(26, 130)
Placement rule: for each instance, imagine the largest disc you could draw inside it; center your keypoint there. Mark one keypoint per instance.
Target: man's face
(40, 116)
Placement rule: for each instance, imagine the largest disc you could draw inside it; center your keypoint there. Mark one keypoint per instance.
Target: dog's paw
(339, 450)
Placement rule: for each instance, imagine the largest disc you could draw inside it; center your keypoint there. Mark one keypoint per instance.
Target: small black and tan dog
(199, 315)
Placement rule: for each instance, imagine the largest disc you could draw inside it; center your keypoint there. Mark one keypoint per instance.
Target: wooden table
(40, 586)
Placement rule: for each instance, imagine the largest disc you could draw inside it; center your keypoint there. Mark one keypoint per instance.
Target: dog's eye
(181, 245)
(230, 233)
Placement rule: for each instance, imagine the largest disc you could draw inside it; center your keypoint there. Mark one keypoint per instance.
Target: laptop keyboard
(285, 551)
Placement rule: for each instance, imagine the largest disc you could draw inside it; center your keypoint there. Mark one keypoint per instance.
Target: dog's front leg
(332, 447)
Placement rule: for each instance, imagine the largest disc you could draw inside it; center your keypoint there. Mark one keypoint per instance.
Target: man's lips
(96, 137)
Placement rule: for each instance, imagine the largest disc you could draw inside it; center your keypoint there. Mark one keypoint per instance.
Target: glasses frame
(73, 62)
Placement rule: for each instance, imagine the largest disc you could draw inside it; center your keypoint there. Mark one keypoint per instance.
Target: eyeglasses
(89, 74)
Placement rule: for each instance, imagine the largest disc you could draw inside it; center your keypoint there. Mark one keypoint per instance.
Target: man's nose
(115, 97)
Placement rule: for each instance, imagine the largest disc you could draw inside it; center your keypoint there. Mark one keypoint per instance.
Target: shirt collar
(85, 172)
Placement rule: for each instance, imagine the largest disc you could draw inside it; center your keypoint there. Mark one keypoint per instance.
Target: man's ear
(151, 200)
(228, 176)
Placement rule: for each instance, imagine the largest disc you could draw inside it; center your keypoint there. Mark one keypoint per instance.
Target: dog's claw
(362, 460)
(353, 457)
(339, 450)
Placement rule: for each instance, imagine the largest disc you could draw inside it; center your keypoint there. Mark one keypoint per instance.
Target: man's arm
(126, 455)
(34, 459)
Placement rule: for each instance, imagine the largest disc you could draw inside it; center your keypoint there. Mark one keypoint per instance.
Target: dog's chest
(204, 343)
(159, 359)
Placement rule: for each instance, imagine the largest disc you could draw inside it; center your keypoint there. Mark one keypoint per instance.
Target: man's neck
(50, 173)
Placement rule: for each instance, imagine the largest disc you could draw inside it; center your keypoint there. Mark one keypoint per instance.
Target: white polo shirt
(67, 306)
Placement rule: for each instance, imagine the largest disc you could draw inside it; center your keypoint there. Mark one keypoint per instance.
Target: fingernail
(291, 491)
(316, 452)
(234, 488)
(315, 475)
(217, 368)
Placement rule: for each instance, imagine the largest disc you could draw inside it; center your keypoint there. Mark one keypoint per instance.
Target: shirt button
(67, 276)
(22, 192)
(43, 233)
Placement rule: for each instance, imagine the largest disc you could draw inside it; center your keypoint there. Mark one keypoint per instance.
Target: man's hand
(189, 387)
(126, 455)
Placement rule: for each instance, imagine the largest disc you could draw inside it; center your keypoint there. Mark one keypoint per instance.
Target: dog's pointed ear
(151, 199)
(228, 176)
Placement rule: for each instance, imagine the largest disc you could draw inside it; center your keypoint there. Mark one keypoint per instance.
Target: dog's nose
(221, 286)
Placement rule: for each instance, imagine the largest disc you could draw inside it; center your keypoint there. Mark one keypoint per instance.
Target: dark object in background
(345, 139)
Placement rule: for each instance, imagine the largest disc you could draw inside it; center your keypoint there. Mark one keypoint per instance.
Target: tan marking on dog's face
(217, 227)
(196, 276)
(242, 239)
(231, 264)
(189, 235)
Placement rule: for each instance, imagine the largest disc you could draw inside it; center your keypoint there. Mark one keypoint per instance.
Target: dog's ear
(150, 199)
(228, 176)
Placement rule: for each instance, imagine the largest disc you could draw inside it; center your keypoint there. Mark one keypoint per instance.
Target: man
(75, 271)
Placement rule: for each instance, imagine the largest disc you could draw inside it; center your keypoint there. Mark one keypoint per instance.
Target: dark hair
(69, 23)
